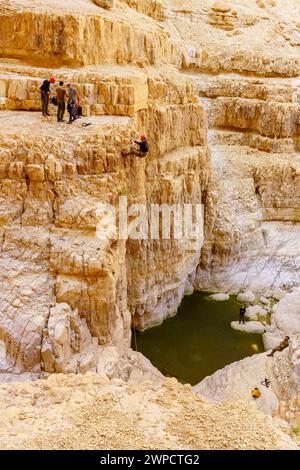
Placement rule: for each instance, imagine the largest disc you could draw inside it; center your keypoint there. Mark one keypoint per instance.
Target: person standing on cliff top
(45, 95)
(284, 344)
(242, 315)
(72, 96)
(61, 94)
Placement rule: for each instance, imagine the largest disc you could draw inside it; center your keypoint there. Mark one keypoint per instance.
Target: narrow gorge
(215, 87)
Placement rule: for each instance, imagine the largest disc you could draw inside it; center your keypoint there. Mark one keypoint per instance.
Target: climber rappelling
(143, 148)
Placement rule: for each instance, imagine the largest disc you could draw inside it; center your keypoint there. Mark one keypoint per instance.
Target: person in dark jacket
(144, 146)
(141, 152)
(45, 94)
(242, 315)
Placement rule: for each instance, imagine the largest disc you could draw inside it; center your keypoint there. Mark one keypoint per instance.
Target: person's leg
(70, 111)
(73, 112)
(44, 103)
(243, 319)
(63, 108)
(58, 112)
(142, 154)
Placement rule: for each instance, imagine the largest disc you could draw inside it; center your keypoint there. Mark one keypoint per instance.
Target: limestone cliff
(65, 292)
(215, 87)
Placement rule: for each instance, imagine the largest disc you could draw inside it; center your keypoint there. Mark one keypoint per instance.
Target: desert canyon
(216, 88)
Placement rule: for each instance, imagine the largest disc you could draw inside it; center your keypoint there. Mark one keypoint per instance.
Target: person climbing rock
(61, 95)
(73, 95)
(45, 95)
(144, 146)
(284, 344)
(242, 315)
(266, 383)
(256, 393)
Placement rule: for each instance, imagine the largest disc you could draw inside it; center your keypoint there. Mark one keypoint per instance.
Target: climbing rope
(134, 334)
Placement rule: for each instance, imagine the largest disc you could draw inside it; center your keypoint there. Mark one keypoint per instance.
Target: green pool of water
(198, 340)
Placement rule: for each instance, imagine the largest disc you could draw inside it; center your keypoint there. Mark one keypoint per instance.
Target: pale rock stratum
(215, 86)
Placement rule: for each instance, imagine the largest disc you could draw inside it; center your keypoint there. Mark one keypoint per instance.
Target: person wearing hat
(45, 94)
(256, 393)
(144, 146)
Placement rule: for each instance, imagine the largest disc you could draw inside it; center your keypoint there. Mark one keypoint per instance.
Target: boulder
(264, 301)
(278, 294)
(219, 297)
(271, 339)
(254, 327)
(287, 314)
(107, 4)
(274, 308)
(246, 297)
(67, 341)
(256, 313)
(221, 7)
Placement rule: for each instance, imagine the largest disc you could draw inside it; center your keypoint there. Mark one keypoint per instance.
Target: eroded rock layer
(172, 70)
(66, 291)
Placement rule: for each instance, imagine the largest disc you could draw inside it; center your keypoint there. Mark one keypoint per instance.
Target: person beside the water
(242, 315)
(45, 95)
(284, 344)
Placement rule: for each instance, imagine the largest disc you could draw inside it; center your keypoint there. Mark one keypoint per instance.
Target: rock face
(235, 382)
(108, 4)
(69, 284)
(67, 335)
(287, 315)
(142, 79)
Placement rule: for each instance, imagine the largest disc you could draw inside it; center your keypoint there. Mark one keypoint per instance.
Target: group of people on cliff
(66, 96)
